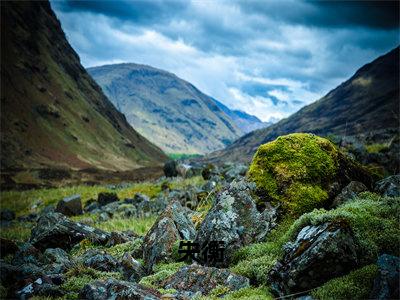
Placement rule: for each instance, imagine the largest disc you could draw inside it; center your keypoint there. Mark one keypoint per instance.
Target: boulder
(170, 169)
(302, 171)
(318, 254)
(235, 220)
(27, 254)
(132, 269)
(106, 198)
(389, 186)
(117, 289)
(233, 171)
(70, 206)
(100, 260)
(57, 261)
(43, 287)
(185, 170)
(386, 284)
(172, 225)
(54, 230)
(195, 278)
(349, 192)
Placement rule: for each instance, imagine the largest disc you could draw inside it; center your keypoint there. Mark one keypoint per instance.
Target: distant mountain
(243, 120)
(53, 114)
(367, 102)
(167, 110)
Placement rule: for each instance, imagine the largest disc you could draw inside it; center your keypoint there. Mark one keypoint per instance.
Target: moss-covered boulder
(302, 171)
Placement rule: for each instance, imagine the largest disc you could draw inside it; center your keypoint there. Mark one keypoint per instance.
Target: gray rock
(91, 205)
(195, 278)
(117, 289)
(54, 230)
(349, 192)
(318, 254)
(234, 219)
(172, 225)
(386, 284)
(234, 171)
(132, 269)
(185, 170)
(70, 206)
(42, 286)
(389, 186)
(27, 254)
(57, 261)
(106, 198)
(170, 169)
(99, 260)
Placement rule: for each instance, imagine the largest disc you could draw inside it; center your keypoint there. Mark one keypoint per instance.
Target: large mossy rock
(302, 171)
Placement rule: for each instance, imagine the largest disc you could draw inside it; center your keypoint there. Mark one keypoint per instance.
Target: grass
(176, 156)
(355, 285)
(376, 148)
(23, 202)
(137, 225)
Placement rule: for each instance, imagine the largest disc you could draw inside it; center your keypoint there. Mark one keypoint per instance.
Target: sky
(267, 58)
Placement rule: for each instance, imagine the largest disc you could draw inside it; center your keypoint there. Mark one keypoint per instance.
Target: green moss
(161, 272)
(373, 220)
(256, 260)
(250, 293)
(294, 170)
(79, 276)
(376, 148)
(356, 285)
(119, 250)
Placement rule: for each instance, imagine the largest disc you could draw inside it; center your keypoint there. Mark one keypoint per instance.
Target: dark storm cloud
(138, 11)
(371, 14)
(268, 58)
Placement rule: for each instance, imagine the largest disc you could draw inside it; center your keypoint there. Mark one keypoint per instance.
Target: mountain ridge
(169, 111)
(366, 102)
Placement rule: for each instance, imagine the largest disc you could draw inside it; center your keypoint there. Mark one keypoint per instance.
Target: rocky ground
(303, 221)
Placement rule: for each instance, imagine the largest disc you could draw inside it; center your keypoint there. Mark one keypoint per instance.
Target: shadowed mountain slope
(53, 114)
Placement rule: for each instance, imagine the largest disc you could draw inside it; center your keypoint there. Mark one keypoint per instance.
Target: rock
(139, 197)
(54, 230)
(389, 186)
(349, 192)
(100, 260)
(120, 238)
(91, 205)
(106, 198)
(234, 171)
(57, 261)
(172, 225)
(208, 171)
(298, 171)
(170, 169)
(7, 247)
(9, 273)
(27, 254)
(234, 219)
(318, 254)
(42, 286)
(185, 170)
(117, 289)
(132, 269)
(7, 215)
(386, 284)
(195, 278)
(70, 206)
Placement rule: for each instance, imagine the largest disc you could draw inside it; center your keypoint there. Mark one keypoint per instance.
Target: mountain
(53, 114)
(367, 102)
(167, 110)
(243, 120)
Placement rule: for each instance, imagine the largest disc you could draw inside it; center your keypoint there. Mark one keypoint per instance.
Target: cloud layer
(268, 58)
